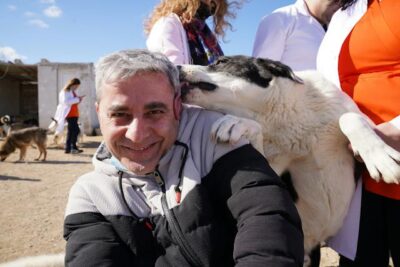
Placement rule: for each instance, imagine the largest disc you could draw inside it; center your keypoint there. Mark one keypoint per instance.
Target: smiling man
(162, 192)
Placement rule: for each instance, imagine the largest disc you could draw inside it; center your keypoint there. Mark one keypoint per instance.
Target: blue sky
(84, 30)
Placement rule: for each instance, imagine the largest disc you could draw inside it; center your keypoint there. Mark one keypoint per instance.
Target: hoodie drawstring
(146, 221)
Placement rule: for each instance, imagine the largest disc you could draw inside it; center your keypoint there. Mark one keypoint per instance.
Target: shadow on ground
(13, 178)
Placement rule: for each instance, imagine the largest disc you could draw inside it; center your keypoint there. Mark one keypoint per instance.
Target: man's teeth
(139, 148)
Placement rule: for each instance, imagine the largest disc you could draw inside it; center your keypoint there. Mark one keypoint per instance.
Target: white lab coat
(290, 35)
(65, 100)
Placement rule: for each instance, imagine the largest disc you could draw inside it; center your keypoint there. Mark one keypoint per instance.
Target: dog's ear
(269, 68)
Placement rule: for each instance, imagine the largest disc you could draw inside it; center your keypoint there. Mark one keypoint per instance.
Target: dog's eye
(220, 61)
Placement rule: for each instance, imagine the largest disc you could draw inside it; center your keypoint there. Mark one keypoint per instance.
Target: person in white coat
(67, 111)
(178, 29)
(360, 54)
(292, 34)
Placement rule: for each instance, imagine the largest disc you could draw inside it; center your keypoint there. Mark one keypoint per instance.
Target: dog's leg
(381, 160)
(22, 153)
(42, 150)
(231, 128)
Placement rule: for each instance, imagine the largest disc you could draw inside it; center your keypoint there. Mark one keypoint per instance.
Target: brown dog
(22, 139)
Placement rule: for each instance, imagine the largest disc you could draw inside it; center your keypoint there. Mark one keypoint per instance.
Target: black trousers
(379, 235)
(72, 134)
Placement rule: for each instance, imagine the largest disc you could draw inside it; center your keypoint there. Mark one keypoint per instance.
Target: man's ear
(177, 106)
(96, 104)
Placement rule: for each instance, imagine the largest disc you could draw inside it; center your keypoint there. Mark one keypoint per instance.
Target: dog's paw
(229, 129)
(381, 160)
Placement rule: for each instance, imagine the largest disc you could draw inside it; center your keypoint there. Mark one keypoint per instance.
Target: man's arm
(91, 241)
(94, 239)
(269, 229)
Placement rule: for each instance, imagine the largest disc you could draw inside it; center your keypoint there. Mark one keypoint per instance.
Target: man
(162, 193)
(292, 34)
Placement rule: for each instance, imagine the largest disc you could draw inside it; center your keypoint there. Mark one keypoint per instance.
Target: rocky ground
(33, 197)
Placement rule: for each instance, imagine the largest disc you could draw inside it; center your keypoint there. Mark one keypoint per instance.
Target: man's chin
(137, 168)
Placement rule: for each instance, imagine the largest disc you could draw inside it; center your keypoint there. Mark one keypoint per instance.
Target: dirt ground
(33, 198)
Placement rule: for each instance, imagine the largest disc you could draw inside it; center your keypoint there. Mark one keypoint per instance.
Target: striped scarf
(203, 44)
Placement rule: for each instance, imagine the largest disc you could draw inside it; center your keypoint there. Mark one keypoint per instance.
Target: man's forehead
(147, 106)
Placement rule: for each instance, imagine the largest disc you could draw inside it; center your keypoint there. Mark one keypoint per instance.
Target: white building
(52, 78)
(31, 91)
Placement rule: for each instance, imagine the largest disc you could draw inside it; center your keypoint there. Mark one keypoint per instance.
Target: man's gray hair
(121, 65)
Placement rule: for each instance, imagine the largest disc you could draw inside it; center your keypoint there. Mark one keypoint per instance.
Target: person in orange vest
(67, 110)
(360, 53)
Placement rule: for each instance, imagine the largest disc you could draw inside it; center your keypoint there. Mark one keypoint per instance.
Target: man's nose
(137, 130)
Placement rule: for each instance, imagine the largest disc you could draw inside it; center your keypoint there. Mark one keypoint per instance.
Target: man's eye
(155, 112)
(118, 115)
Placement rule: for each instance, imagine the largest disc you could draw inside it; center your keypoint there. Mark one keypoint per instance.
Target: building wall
(9, 97)
(52, 78)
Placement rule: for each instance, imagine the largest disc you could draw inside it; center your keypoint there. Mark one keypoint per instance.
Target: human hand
(81, 97)
(390, 134)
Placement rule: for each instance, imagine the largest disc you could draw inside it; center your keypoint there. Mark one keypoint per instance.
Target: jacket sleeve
(167, 37)
(92, 241)
(269, 229)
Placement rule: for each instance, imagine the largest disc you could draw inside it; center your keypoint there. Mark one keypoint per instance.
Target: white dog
(302, 124)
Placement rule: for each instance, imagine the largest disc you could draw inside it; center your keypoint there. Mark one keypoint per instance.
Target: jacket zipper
(187, 251)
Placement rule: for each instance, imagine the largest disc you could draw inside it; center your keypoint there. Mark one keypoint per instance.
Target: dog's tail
(49, 260)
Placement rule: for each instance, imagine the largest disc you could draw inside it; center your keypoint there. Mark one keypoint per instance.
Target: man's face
(138, 121)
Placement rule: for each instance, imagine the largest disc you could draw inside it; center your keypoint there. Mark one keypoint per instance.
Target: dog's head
(5, 120)
(236, 80)
(3, 156)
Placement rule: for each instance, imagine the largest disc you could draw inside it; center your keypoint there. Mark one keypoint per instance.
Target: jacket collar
(341, 24)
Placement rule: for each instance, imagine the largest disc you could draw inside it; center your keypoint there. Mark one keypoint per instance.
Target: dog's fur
(22, 139)
(58, 138)
(302, 124)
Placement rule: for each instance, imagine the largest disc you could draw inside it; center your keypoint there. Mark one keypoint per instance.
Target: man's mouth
(137, 148)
